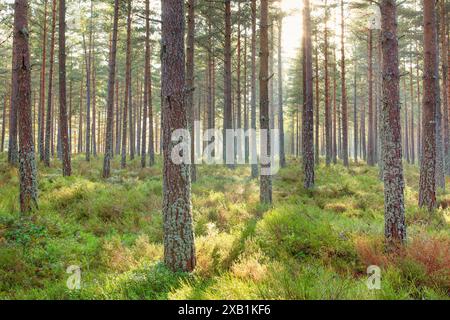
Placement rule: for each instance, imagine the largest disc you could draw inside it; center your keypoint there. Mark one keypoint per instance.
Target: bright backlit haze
(292, 29)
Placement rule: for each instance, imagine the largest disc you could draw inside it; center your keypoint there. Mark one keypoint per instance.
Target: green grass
(310, 245)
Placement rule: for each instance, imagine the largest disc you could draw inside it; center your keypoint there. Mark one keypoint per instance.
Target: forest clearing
(224, 150)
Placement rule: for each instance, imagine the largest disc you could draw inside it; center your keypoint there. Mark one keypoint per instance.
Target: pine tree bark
(63, 126)
(370, 113)
(127, 99)
(253, 152)
(317, 115)
(228, 112)
(445, 84)
(264, 117)
(179, 248)
(328, 120)
(146, 86)
(41, 117)
(335, 121)
(394, 207)
(355, 116)
(110, 102)
(190, 80)
(13, 155)
(5, 98)
(427, 186)
(308, 106)
(49, 116)
(22, 100)
(343, 93)
(280, 94)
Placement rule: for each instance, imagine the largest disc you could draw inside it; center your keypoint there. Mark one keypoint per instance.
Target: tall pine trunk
(22, 100)
(110, 102)
(394, 207)
(179, 248)
(63, 126)
(41, 117)
(427, 187)
(49, 115)
(264, 117)
(308, 105)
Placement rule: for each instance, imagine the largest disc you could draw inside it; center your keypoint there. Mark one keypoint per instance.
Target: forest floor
(309, 245)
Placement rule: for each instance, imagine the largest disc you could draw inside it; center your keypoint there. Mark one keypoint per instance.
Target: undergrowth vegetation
(309, 245)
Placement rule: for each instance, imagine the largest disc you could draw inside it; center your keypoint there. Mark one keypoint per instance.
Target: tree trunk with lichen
(427, 187)
(22, 100)
(110, 102)
(308, 106)
(179, 249)
(394, 207)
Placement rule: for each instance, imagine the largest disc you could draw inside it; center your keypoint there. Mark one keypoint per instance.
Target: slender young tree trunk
(394, 207)
(41, 118)
(427, 190)
(151, 140)
(118, 117)
(370, 137)
(419, 112)
(264, 117)
(355, 116)
(110, 102)
(328, 120)
(406, 139)
(127, 91)
(246, 111)
(63, 127)
(87, 59)
(94, 107)
(80, 118)
(308, 106)
(146, 86)
(411, 90)
(22, 100)
(190, 80)
(228, 149)
(253, 152)
(317, 116)
(49, 114)
(334, 125)
(343, 93)
(445, 84)
(13, 155)
(179, 248)
(5, 97)
(280, 94)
